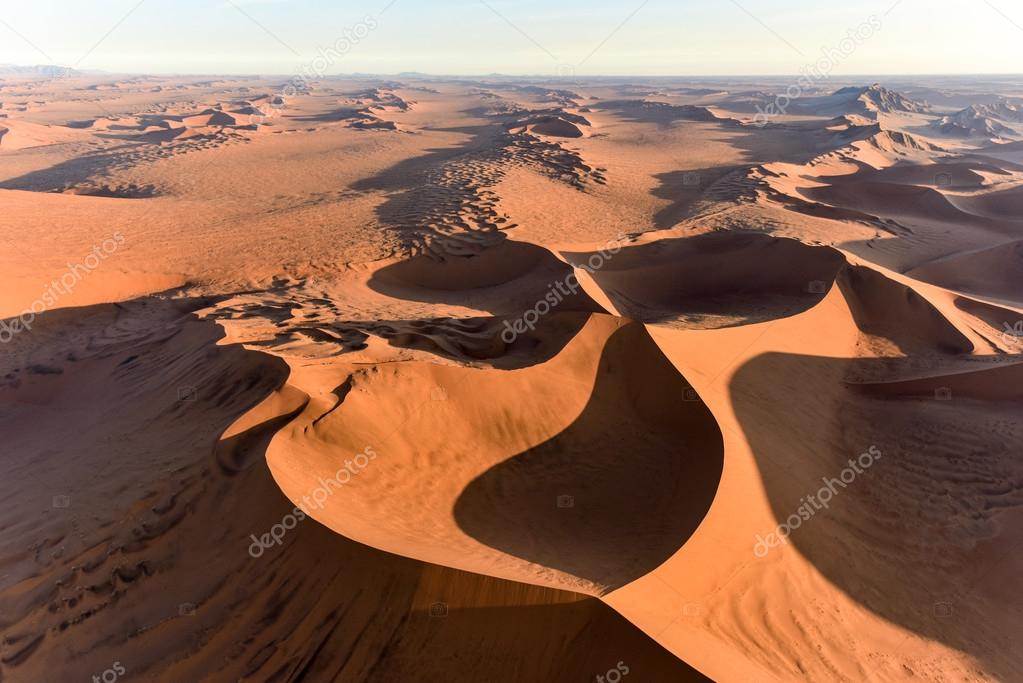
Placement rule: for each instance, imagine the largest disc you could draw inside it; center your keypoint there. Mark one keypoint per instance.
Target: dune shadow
(598, 640)
(332, 116)
(720, 279)
(617, 492)
(508, 278)
(485, 341)
(69, 173)
(923, 535)
(157, 529)
(685, 190)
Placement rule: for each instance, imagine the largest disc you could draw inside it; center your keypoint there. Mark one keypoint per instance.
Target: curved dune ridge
(555, 123)
(505, 279)
(892, 199)
(996, 272)
(1002, 323)
(488, 513)
(892, 311)
(951, 174)
(555, 126)
(1001, 205)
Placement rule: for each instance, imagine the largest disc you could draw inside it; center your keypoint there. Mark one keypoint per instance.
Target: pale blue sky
(662, 37)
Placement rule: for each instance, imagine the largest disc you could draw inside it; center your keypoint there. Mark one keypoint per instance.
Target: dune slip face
(358, 378)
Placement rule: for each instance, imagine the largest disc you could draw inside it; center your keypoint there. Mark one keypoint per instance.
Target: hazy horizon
(648, 38)
(864, 77)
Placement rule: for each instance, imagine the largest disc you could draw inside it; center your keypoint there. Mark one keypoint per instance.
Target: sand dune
(474, 515)
(17, 135)
(716, 279)
(1003, 204)
(557, 125)
(996, 272)
(893, 199)
(887, 309)
(142, 508)
(504, 280)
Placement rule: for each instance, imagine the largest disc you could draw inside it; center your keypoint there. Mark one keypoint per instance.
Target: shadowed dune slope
(946, 490)
(607, 422)
(951, 174)
(996, 272)
(637, 470)
(505, 279)
(890, 310)
(716, 279)
(148, 560)
(1002, 205)
(910, 201)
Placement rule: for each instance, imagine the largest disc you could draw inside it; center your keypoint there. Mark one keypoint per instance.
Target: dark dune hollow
(633, 476)
(496, 266)
(717, 279)
(506, 279)
(888, 309)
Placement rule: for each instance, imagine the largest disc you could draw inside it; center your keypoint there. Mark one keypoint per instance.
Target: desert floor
(496, 380)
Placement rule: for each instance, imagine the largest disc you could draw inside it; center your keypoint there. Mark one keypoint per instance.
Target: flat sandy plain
(547, 364)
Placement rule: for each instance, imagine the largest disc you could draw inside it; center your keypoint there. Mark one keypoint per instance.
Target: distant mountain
(45, 70)
(878, 98)
(866, 101)
(1003, 110)
(983, 120)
